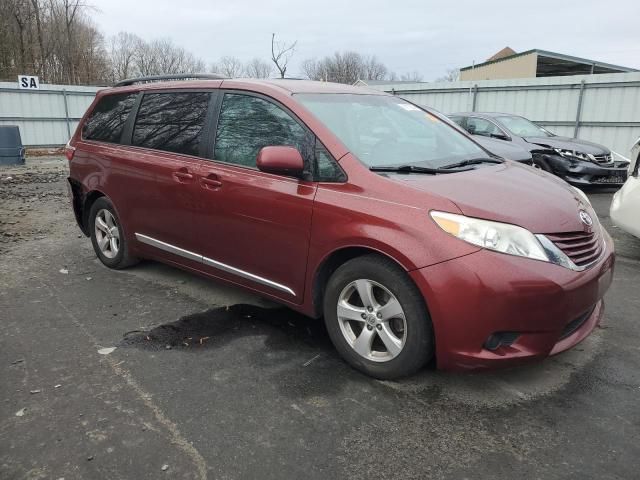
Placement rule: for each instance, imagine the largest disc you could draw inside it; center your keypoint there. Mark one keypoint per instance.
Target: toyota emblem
(586, 218)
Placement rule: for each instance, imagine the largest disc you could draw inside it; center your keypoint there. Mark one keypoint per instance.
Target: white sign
(28, 82)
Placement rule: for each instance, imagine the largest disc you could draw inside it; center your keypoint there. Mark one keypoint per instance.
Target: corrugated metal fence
(47, 117)
(601, 108)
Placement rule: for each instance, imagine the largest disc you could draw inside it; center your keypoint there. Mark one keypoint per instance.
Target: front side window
(247, 123)
(480, 126)
(458, 121)
(384, 130)
(522, 127)
(172, 122)
(106, 121)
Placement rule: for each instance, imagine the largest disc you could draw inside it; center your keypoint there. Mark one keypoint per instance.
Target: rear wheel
(377, 319)
(107, 235)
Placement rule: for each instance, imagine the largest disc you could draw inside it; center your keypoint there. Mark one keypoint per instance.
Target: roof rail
(177, 76)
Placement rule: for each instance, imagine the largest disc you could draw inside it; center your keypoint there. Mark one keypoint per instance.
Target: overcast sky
(406, 35)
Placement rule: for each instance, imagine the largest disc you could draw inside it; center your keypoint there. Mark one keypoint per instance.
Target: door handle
(182, 175)
(211, 183)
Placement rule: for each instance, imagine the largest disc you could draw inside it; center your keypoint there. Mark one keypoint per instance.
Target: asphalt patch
(218, 326)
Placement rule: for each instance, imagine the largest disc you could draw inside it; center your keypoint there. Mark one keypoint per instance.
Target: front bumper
(584, 173)
(476, 296)
(625, 207)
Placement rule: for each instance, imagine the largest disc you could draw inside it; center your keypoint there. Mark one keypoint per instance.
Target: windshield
(384, 130)
(524, 128)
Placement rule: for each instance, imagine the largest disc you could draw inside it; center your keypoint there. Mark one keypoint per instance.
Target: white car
(625, 207)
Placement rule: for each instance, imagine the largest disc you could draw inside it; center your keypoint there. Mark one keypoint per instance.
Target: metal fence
(601, 108)
(47, 117)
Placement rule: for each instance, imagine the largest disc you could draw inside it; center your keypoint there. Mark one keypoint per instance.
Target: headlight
(571, 154)
(582, 195)
(500, 237)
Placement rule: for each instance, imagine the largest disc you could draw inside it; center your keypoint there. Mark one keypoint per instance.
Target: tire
(115, 253)
(407, 330)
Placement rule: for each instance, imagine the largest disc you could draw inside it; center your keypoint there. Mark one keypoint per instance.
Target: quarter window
(247, 123)
(106, 121)
(172, 122)
(327, 169)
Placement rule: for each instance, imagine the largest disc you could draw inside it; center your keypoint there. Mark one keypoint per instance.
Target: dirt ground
(155, 373)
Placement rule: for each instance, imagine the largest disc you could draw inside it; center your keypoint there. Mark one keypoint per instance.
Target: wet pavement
(207, 381)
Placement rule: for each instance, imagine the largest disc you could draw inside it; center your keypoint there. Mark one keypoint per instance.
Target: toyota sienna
(411, 240)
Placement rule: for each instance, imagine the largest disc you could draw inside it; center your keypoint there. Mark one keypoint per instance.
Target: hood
(503, 148)
(569, 144)
(510, 193)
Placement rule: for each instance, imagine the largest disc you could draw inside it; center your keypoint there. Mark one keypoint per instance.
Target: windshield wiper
(413, 169)
(474, 161)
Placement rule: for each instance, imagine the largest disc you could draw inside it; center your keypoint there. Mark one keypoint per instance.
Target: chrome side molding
(167, 247)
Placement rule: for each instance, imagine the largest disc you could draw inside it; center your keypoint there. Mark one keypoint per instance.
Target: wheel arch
(88, 202)
(331, 262)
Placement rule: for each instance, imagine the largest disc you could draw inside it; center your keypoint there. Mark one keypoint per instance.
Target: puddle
(216, 327)
(297, 351)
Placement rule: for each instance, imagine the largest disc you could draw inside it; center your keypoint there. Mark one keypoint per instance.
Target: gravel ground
(152, 373)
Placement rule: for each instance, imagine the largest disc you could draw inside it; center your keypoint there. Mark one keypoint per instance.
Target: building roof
(552, 63)
(505, 52)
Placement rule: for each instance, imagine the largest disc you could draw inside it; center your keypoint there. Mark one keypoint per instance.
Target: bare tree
(345, 67)
(146, 59)
(160, 57)
(38, 8)
(281, 53)
(228, 66)
(57, 40)
(373, 69)
(313, 70)
(124, 47)
(68, 11)
(257, 68)
(175, 59)
(414, 76)
(452, 75)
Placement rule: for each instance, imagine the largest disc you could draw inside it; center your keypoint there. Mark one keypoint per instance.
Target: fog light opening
(500, 339)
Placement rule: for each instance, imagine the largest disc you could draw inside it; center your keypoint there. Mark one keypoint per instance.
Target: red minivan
(410, 239)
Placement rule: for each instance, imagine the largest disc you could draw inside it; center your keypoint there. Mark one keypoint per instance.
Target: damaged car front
(578, 162)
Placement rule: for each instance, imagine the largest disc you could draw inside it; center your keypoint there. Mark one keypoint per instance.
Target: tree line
(58, 41)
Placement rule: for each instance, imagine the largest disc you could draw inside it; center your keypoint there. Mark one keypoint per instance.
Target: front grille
(603, 159)
(582, 248)
(575, 324)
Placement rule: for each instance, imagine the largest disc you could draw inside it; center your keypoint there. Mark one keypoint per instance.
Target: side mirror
(280, 161)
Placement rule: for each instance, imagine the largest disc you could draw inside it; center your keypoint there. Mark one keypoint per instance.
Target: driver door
(254, 227)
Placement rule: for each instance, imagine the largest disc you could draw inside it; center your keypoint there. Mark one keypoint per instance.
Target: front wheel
(377, 318)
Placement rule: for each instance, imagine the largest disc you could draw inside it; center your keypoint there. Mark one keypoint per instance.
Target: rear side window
(248, 123)
(106, 121)
(172, 122)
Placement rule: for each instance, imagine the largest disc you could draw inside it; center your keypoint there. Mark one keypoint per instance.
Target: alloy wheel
(107, 233)
(372, 320)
